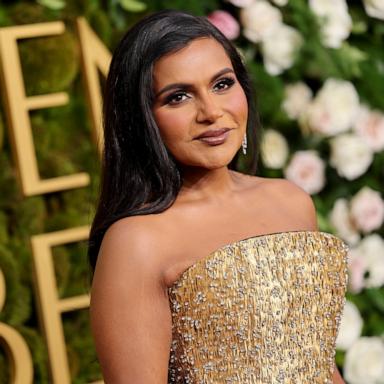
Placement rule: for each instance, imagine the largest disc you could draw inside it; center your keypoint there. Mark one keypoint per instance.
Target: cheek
(238, 106)
(172, 124)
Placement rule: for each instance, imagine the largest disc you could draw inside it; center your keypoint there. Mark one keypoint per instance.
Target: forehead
(198, 60)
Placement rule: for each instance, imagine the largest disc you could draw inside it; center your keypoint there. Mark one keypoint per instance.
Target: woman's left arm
(336, 378)
(307, 206)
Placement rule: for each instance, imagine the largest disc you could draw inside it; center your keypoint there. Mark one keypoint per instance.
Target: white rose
(296, 100)
(364, 362)
(340, 219)
(336, 23)
(259, 19)
(241, 3)
(279, 48)
(350, 155)
(350, 326)
(372, 250)
(306, 169)
(274, 149)
(280, 3)
(334, 108)
(369, 126)
(374, 8)
(367, 209)
(366, 263)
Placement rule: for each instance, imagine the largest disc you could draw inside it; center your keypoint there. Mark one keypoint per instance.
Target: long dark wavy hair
(139, 176)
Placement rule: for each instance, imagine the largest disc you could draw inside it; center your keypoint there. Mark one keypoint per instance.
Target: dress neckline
(237, 242)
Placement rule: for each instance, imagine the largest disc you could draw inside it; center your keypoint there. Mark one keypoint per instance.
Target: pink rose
(357, 268)
(370, 127)
(306, 169)
(225, 23)
(367, 210)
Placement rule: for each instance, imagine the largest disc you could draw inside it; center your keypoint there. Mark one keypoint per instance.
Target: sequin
(260, 310)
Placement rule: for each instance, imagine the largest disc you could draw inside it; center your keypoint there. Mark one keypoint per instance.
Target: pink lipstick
(214, 136)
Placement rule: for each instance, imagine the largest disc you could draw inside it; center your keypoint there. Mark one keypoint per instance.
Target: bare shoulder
(290, 199)
(280, 190)
(131, 241)
(287, 190)
(135, 232)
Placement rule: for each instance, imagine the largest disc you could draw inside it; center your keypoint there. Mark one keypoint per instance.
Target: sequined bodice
(260, 310)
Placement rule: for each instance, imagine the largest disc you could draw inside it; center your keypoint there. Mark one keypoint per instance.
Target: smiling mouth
(214, 137)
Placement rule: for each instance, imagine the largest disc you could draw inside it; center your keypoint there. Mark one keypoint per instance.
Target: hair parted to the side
(138, 175)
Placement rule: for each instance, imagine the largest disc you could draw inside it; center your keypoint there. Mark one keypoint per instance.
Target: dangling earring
(244, 144)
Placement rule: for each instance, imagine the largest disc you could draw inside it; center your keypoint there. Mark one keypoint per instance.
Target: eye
(176, 98)
(224, 83)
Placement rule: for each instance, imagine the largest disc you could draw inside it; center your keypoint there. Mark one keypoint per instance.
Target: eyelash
(227, 81)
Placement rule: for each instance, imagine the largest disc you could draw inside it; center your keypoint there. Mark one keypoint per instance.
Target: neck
(200, 183)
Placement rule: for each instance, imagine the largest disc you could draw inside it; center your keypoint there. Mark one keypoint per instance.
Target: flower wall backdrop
(318, 72)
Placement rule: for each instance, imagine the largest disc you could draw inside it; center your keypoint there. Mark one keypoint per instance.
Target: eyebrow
(187, 86)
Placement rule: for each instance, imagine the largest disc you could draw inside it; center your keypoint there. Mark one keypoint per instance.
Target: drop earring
(244, 144)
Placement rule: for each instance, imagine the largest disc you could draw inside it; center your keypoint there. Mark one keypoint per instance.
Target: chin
(219, 162)
(212, 160)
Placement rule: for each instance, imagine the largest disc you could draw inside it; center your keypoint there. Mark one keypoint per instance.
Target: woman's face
(197, 93)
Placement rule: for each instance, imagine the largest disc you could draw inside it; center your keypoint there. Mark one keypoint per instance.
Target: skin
(141, 256)
(208, 100)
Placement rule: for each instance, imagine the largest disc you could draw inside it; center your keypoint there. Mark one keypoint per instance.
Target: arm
(130, 314)
(309, 208)
(336, 378)
(300, 198)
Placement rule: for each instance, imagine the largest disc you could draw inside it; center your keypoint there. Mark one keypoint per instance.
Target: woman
(203, 274)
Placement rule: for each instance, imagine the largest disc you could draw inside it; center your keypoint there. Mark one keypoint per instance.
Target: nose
(209, 110)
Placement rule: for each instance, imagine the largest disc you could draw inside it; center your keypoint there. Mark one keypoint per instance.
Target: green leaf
(351, 57)
(132, 5)
(359, 27)
(376, 295)
(352, 53)
(339, 358)
(56, 5)
(269, 89)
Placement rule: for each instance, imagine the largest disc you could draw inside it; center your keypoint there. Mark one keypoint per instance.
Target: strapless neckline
(238, 242)
(262, 309)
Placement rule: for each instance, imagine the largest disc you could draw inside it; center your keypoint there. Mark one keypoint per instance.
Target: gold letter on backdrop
(15, 347)
(19, 105)
(95, 55)
(50, 305)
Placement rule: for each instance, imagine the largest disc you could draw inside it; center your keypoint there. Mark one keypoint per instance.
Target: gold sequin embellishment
(263, 310)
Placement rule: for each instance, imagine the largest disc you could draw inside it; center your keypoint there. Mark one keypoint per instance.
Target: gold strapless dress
(263, 310)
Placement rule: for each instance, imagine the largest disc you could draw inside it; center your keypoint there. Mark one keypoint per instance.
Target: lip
(214, 137)
(212, 133)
